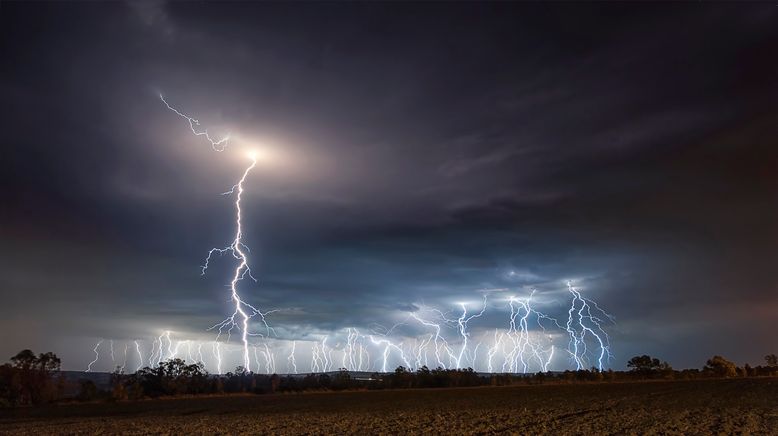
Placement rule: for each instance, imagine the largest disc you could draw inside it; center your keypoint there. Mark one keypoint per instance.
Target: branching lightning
(462, 324)
(243, 311)
(580, 322)
(528, 340)
(519, 333)
(194, 124)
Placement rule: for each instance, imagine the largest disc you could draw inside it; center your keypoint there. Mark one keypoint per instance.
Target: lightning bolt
(290, 359)
(548, 361)
(217, 354)
(494, 349)
(420, 351)
(270, 361)
(580, 322)
(520, 335)
(462, 324)
(243, 311)
(351, 348)
(441, 345)
(320, 360)
(524, 346)
(194, 124)
(140, 356)
(170, 352)
(97, 356)
(388, 345)
(124, 363)
(152, 352)
(159, 349)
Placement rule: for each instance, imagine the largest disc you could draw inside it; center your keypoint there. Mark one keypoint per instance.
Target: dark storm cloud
(631, 147)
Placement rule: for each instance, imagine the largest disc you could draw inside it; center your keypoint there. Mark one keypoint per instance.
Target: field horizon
(708, 406)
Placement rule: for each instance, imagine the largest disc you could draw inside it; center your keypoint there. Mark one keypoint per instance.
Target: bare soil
(704, 407)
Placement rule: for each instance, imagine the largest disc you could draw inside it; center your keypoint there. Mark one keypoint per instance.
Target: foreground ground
(680, 407)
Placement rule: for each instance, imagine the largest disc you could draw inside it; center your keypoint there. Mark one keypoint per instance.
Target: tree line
(30, 379)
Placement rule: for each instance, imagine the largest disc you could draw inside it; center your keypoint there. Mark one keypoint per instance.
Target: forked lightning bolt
(243, 311)
(580, 322)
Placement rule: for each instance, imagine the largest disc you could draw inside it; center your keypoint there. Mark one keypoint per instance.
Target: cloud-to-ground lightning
(243, 311)
(97, 356)
(124, 362)
(462, 322)
(321, 356)
(519, 334)
(140, 355)
(291, 358)
(581, 321)
(528, 342)
(217, 354)
(441, 345)
(388, 346)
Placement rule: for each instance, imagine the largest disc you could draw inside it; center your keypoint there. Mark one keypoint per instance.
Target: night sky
(418, 154)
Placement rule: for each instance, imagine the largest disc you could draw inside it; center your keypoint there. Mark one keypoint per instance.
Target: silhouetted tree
(275, 382)
(649, 367)
(771, 360)
(644, 364)
(31, 379)
(341, 380)
(721, 367)
(88, 391)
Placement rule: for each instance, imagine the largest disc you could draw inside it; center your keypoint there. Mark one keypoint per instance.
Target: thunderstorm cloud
(424, 154)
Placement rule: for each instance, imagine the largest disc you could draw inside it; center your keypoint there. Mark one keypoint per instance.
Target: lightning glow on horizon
(529, 341)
